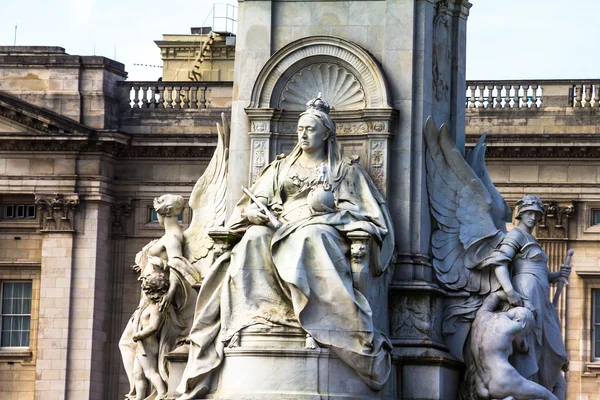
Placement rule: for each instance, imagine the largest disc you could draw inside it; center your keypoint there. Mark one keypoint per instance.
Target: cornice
(539, 145)
(40, 120)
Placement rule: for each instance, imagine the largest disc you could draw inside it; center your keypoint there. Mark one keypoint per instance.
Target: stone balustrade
(176, 95)
(532, 94)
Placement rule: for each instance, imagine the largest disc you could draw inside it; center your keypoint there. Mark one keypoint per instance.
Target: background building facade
(83, 152)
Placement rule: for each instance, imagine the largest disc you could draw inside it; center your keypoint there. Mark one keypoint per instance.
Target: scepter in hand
(562, 280)
(272, 218)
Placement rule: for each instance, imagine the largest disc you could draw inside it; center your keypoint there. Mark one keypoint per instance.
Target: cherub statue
(182, 257)
(145, 369)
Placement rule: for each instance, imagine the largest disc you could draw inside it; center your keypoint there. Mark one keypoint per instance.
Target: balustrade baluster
(152, 97)
(144, 96)
(534, 89)
(490, 98)
(472, 97)
(513, 100)
(169, 97)
(525, 98)
(177, 92)
(194, 97)
(480, 99)
(136, 99)
(596, 95)
(498, 103)
(588, 95)
(203, 97)
(578, 89)
(186, 97)
(161, 97)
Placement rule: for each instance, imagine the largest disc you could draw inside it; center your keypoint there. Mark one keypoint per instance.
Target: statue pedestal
(274, 364)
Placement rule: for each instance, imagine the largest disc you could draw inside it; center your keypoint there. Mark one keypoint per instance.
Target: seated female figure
(299, 274)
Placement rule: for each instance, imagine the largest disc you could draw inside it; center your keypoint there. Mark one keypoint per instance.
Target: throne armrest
(360, 255)
(224, 240)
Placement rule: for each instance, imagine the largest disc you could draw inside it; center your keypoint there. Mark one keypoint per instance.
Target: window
(15, 319)
(18, 211)
(595, 217)
(154, 216)
(596, 325)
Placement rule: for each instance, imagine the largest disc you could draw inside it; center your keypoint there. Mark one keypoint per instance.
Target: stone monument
(498, 318)
(383, 67)
(364, 256)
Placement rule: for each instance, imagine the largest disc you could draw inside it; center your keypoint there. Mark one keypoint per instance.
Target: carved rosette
(339, 86)
(57, 211)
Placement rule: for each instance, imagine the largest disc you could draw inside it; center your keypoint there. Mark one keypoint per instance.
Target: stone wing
(207, 200)
(476, 159)
(464, 229)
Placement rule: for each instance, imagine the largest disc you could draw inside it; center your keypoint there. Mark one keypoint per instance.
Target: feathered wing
(207, 202)
(463, 210)
(476, 159)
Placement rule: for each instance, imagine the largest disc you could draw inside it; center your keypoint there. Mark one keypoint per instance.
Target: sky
(506, 39)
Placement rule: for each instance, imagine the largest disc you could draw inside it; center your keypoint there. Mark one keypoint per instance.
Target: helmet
(529, 203)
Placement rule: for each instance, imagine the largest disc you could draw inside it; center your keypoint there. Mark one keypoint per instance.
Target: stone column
(89, 322)
(460, 13)
(253, 49)
(424, 86)
(57, 214)
(120, 213)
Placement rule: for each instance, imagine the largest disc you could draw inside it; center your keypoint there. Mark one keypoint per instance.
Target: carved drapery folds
(57, 211)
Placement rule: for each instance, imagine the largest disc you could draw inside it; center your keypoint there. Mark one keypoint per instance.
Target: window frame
(594, 325)
(18, 212)
(595, 217)
(30, 315)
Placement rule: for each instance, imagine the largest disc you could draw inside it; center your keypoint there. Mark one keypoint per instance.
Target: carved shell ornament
(341, 89)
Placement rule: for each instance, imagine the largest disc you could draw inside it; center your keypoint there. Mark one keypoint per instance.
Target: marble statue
(160, 257)
(473, 254)
(147, 338)
(495, 336)
(162, 321)
(298, 275)
(530, 279)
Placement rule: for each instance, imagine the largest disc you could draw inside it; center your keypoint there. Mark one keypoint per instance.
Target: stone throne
(354, 85)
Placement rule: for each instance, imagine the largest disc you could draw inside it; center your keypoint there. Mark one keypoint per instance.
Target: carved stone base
(283, 368)
(426, 374)
(177, 361)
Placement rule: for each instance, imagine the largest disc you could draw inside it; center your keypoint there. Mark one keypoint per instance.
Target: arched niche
(348, 77)
(310, 52)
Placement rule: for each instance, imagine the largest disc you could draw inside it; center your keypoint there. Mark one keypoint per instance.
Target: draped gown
(298, 275)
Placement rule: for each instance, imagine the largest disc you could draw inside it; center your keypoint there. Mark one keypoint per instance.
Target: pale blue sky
(507, 39)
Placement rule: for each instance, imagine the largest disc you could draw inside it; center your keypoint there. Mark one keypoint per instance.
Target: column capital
(57, 211)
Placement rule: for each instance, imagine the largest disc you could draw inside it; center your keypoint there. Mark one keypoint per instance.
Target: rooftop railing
(532, 94)
(177, 95)
(496, 95)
